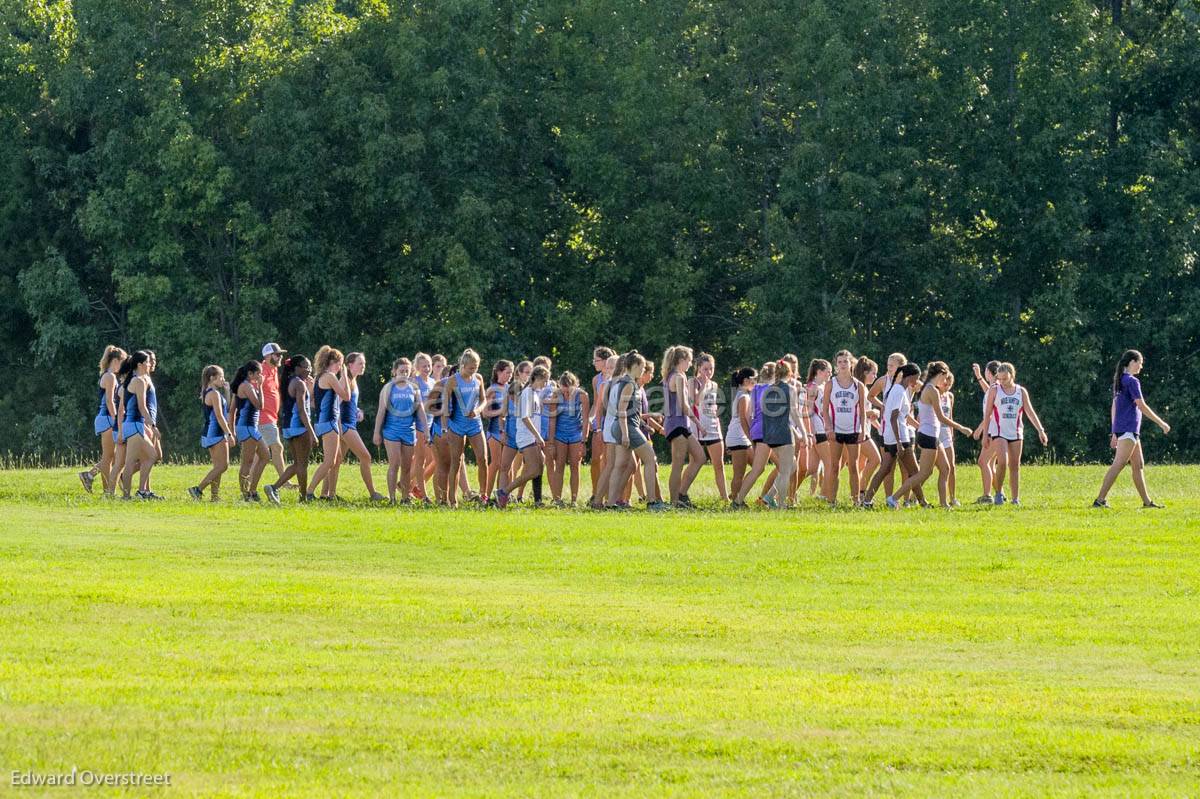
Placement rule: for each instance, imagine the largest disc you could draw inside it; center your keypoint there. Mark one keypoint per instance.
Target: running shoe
(272, 494)
(194, 492)
(1102, 504)
(87, 478)
(999, 498)
(1152, 504)
(892, 503)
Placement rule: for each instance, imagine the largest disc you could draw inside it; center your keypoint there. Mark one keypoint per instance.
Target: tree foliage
(956, 181)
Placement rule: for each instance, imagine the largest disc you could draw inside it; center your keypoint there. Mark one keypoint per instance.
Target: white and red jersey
(1008, 413)
(816, 421)
(992, 430)
(845, 406)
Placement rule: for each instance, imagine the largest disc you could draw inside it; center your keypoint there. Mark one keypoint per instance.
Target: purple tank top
(756, 416)
(674, 419)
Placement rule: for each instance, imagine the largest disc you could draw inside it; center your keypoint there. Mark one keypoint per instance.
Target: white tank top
(736, 436)
(991, 429)
(708, 426)
(845, 407)
(1008, 412)
(947, 401)
(927, 418)
(814, 413)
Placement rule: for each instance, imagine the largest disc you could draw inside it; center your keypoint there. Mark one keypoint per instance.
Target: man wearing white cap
(268, 417)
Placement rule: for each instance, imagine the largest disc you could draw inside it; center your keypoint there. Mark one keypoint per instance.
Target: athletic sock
(537, 489)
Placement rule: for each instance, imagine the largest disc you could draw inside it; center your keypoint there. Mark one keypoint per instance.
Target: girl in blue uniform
(437, 397)
(493, 415)
(215, 433)
(105, 423)
(569, 408)
(295, 416)
(246, 390)
(350, 415)
(423, 459)
(399, 415)
(137, 425)
(331, 389)
(461, 422)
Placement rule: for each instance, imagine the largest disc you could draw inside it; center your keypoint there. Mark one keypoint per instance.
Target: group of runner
(524, 425)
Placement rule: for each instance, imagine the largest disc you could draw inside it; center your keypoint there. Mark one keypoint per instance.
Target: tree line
(954, 180)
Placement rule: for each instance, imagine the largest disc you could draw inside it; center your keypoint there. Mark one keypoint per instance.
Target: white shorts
(606, 433)
(1128, 437)
(270, 434)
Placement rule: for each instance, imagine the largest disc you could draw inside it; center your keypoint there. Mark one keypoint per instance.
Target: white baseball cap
(271, 348)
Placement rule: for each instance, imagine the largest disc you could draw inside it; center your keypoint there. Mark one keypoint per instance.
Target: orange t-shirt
(270, 389)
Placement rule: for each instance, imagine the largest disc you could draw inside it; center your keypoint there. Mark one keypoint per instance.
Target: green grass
(330, 651)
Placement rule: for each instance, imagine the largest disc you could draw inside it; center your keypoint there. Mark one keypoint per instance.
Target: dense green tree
(952, 180)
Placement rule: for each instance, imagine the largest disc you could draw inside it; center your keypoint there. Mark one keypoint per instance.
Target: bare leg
(1137, 463)
(395, 455)
(479, 447)
(219, 453)
(695, 464)
(455, 445)
(330, 446)
(1014, 466)
(597, 464)
(762, 454)
(716, 454)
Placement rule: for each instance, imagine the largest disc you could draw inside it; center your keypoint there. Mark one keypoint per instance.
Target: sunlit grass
(356, 650)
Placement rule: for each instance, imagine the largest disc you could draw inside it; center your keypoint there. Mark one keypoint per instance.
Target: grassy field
(369, 651)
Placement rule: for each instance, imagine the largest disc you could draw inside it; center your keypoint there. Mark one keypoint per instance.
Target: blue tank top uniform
(328, 406)
(464, 397)
(151, 403)
(495, 400)
(290, 411)
(422, 385)
(544, 422)
(103, 421)
(510, 423)
(569, 429)
(212, 433)
(246, 423)
(399, 422)
(135, 424)
(349, 414)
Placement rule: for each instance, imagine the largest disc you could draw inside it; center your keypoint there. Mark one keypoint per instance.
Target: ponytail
(739, 376)
(129, 367)
(1127, 357)
(244, 371)
(206, 374)
(111, 353)
(820, 365)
